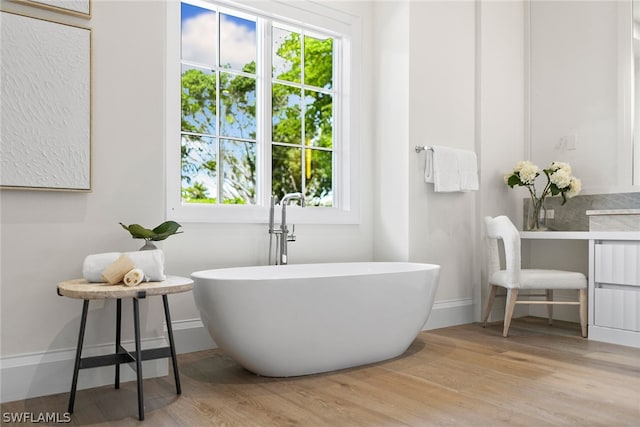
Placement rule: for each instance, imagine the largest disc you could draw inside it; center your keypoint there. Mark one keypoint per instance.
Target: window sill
(226, 214)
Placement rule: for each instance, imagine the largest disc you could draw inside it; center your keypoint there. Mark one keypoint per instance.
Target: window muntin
(222, 101)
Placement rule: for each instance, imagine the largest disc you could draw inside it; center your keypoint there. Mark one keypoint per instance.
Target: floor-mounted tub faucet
(283, 236)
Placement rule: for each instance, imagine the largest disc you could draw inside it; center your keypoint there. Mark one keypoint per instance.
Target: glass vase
(148, 246)
(536, 215)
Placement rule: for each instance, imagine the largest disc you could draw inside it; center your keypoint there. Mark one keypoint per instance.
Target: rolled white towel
(94, 265)
(134, 277)
(151, 262)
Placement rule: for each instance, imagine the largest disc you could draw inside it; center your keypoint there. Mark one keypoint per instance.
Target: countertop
(614, 212)
(581, 235)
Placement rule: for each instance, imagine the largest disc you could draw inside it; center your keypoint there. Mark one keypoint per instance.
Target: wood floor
(458, 376)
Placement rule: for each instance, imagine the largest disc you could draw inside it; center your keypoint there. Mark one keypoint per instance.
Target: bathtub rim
(311, 270)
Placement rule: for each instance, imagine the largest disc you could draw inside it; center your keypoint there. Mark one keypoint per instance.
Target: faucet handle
(291, 237)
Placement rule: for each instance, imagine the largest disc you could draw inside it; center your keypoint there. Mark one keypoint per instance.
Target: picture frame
(81, 8)
(45, 105)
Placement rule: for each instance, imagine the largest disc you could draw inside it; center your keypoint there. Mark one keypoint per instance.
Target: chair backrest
(501, 227)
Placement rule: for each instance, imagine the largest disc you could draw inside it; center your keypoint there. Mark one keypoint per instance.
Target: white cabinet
(614, 282)
(614, 291)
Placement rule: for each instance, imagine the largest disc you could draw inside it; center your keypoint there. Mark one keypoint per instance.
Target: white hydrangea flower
(574, 187)
(561, 178)
(561, 166)
(506, 178)
(522, 164)
(528, 172)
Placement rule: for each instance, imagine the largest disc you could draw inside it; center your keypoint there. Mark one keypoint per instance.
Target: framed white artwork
(71, 7)
(45, 104)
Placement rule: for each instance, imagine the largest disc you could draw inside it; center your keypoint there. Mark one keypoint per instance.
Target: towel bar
(420, 148)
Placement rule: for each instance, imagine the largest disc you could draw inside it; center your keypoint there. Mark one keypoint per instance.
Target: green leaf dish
(161, 232)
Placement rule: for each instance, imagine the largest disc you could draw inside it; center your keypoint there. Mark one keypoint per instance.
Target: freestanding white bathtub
(289, 320)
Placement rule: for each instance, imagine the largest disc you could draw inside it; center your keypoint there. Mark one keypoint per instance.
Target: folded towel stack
(150, 262)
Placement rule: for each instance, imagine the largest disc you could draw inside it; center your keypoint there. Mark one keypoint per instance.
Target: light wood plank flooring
(458, 376)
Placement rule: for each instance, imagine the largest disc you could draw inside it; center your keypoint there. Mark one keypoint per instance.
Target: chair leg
(487, 312)
(550, 306)
(512, 295)
(582, 296)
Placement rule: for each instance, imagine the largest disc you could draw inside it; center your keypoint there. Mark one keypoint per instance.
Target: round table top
(81, 288)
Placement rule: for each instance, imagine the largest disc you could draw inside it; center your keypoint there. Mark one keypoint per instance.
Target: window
(302, 115)
(218, 106)
(261, 112)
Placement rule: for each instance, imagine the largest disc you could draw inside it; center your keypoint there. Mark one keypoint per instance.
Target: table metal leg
(76, 367)
(136, 324)
(172, 345)
(118, 338)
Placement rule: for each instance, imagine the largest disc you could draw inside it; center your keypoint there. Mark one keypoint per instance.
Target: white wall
(575, 89)
(464, 88)
(636, 92)
(442, 112)
(424, 78)
(391, 176)
(46, 235)
(502, 133)
(580, 84)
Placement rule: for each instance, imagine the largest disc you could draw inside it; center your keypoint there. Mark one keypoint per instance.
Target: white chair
(514, 278)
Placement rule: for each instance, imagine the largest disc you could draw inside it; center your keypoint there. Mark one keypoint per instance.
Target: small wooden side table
(81, 289)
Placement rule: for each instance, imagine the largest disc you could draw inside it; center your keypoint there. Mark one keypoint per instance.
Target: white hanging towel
(450, 169)
(428, 167)
(468, 169)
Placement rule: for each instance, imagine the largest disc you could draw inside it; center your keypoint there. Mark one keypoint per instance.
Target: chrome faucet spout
(285, 201)
(292, 196)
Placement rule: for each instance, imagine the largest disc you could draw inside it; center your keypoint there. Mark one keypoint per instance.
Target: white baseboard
(191, 335)
(614, 336)
(450, 313)
(50, 372)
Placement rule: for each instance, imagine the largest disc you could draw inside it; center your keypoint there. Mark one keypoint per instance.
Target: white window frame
(347, 149)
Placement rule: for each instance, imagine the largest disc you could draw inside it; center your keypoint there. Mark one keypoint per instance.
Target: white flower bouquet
(560, 181)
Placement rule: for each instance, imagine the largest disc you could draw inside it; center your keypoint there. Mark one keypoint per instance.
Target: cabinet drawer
(617, 263)
(617, 308)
